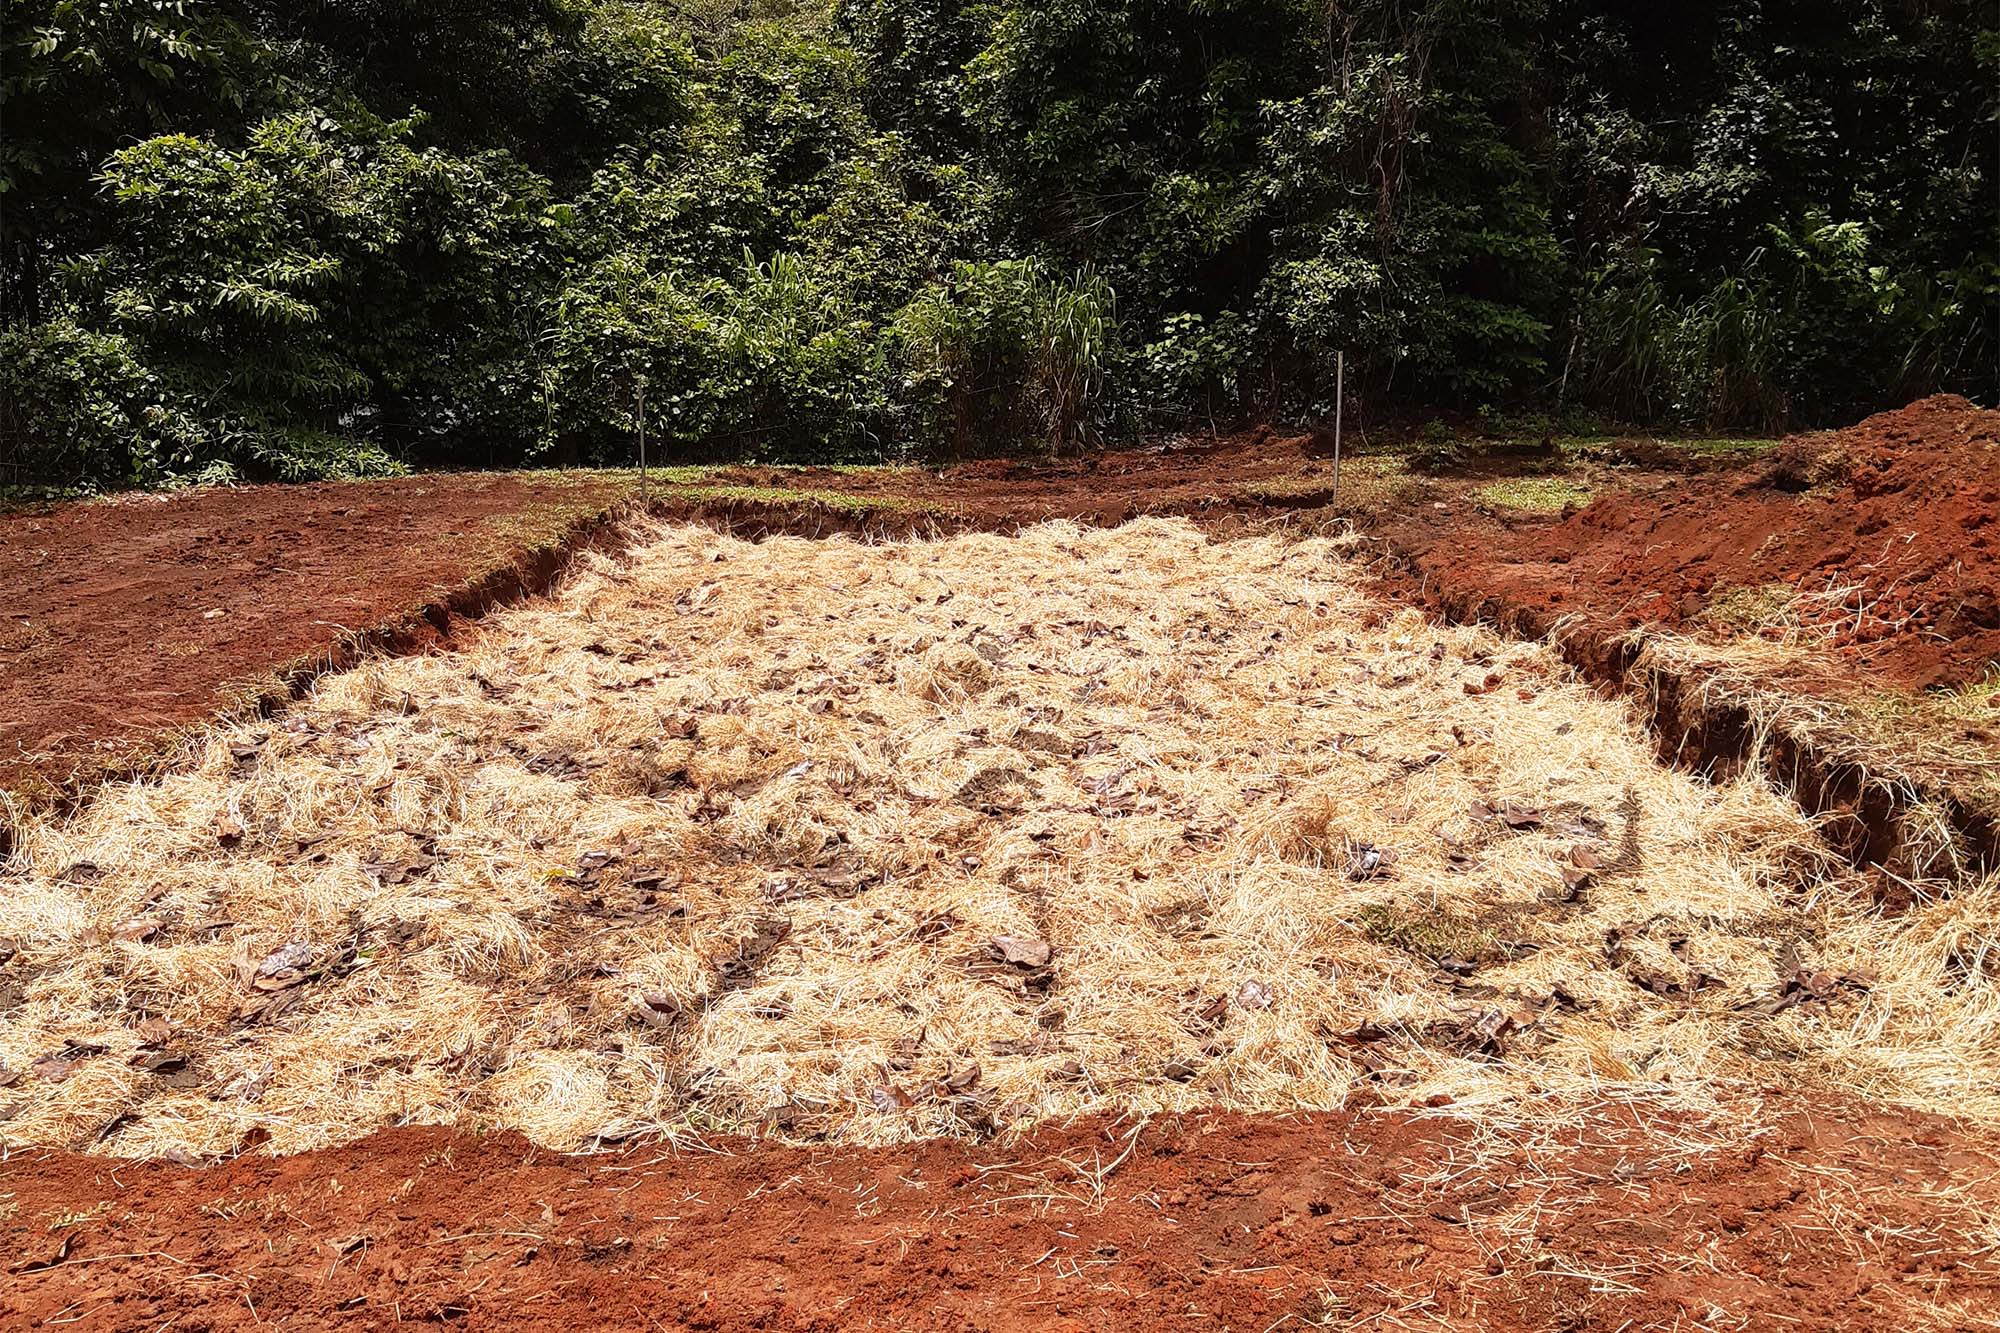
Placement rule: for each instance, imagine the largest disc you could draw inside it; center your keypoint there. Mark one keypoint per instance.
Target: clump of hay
(872, 842)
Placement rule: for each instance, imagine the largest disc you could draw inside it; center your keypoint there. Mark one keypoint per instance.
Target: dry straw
(875, 842)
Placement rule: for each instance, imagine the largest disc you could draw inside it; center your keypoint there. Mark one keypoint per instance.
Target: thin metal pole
(645, 492)
(1339, 401)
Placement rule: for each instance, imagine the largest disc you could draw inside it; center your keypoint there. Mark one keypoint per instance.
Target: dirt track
(1832, 1218)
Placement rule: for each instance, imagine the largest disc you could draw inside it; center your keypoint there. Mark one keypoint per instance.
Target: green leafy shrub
(1193, 371)
(1006, 353)
(82, 410)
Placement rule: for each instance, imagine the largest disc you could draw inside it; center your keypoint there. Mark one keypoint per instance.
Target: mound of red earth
(1887, 531)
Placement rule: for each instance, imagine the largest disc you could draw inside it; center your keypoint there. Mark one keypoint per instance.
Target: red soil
(1835, 1218)
(127, 617)
(1900, 529)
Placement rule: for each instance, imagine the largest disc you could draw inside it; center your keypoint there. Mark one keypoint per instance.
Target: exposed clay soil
(1835, 1217)
(1891, 528)
(125, 618)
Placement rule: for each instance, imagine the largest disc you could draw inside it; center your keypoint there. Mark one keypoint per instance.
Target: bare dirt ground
(127, 618)
(1877, 546)
(1822, 1215)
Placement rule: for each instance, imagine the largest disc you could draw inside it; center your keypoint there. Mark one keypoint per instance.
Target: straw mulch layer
(873, 843)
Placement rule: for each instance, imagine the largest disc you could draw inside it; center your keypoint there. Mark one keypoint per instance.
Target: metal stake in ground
(645, 493)
(1339, 394)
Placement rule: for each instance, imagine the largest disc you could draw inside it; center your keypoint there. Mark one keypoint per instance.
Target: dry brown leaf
(53, 1067)
(888, 1098)
(658, 1009)
(1021, 951)
(1492, 679)
(289, 957)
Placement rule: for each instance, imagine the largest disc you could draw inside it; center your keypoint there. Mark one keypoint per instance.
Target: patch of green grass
(1427, 933)
(868, 469)
(1702, 445)
(1750, 608)
(695, 474)
(1362, 480)
(1541, 495)
(1744, 447)
(1291, 488)
(846, 501)
(1719, 450)
(691, 474)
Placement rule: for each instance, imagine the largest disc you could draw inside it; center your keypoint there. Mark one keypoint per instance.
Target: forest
(292, 239)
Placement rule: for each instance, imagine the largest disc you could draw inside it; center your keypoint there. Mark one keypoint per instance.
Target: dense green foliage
(332, 236)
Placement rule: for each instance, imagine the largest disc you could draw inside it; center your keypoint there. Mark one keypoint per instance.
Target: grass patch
(1365, 482)
(1732, 447)
(1751, 608)
(868, 469)
(689, 474)
(1290, 489)
(844, 501)
(1704, 447)
(1540, 495)
(1429, 933)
